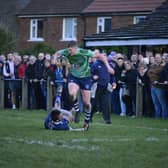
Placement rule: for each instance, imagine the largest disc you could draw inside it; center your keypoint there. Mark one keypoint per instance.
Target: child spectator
(60, 76)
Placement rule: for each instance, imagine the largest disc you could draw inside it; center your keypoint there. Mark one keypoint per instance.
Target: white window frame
(101, 23)
(135, 20)
(74, 26)
(34, 24)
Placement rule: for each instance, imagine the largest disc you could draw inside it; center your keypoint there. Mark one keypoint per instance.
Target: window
(36, 30)
(69, 29)
(138, 19)
(104, 24)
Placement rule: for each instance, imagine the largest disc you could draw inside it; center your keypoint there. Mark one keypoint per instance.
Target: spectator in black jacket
(130, 80)
(164, 74)
(134, 60)
(30, 76)
(39, 70)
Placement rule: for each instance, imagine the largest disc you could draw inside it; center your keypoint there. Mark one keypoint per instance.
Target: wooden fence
(24, 101)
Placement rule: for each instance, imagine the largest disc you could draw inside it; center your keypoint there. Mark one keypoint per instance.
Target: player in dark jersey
(58, 119)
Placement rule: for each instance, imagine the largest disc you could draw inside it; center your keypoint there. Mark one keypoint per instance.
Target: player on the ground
(58, 119)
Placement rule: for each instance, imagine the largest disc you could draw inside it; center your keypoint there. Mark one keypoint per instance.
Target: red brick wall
(117, 22)
(121, 21)
(24, 30)
(53, 30)
(91, 25)
(80, 29)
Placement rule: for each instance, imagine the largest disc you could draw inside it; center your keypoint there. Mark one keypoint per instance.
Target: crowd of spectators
(151, 70)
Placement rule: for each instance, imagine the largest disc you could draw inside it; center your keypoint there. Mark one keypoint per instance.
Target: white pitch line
(113, 139)
(59, 143)
(150, 139)
(138, 127)
(74, 143)
(95, 140)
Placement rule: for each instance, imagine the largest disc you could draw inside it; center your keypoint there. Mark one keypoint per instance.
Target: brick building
(151, 33)
(57, 22)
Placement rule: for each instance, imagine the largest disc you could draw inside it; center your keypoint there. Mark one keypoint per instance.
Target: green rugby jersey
(79, 62)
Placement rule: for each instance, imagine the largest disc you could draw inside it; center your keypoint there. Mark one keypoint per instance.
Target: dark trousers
(148, 107)
(102, 102)
(31, 96)
(131, 101)
(41, 103)
(115, 102)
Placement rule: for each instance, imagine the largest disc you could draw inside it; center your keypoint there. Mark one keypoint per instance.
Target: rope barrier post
(49, 95)
(2, 93)
(24, 94)
(139, 99)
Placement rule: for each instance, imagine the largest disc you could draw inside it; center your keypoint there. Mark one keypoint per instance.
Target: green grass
(126, 143)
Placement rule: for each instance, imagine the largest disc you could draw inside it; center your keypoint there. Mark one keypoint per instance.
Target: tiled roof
(55, 7)
(88, 6)
(98, 6)
(7, 7)
(8, 10)
(154, 26)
